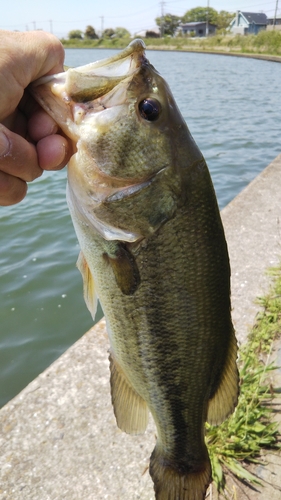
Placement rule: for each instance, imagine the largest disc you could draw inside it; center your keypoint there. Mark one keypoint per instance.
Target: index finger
(24, 58)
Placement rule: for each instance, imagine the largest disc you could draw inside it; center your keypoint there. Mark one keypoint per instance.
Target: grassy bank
(251, 431)
(266, 42)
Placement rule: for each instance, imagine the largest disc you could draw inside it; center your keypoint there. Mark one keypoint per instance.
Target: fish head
(130, 140)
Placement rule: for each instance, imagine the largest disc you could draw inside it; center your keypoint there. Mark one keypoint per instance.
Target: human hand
(30, 140)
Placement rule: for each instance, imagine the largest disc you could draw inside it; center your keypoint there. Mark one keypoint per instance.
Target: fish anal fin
(184, 482)
(90, 295)
(130, 409)
(223, 402)
(125, 269)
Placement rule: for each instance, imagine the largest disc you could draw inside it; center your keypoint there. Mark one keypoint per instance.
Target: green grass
(266, 42)
(102, 43)
(250, 430)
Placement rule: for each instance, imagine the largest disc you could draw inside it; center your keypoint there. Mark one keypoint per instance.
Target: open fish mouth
(113, 68)
(70, 95)
(85, 100)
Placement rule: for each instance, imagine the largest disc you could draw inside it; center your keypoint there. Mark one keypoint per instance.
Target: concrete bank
(262, 57)
(58, 437)
(218, 52)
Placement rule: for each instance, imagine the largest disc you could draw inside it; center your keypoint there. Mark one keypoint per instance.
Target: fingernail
(4, 145)
(64, 153)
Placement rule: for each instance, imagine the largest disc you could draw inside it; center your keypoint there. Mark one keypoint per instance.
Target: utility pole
(51, 26)
(162, 19)
(102, 18)
(274, 20)
(34, 25)
(207, 19)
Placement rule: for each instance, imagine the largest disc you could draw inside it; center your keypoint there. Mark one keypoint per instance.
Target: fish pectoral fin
(130, 409)
(223, 402)
(125, 269)
(90, 295)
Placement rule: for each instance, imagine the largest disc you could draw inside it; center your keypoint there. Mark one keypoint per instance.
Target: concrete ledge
(253, 233)
(262, 57)
(58, 437)
(226, 52)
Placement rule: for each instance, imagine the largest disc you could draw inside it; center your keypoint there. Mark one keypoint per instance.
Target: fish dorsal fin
(130, 409)
(90, 295)
(222, 404)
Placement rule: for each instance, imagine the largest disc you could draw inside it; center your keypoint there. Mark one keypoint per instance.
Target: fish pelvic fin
(181, 482)
(89, 291)
(130, 409)
(223, 402)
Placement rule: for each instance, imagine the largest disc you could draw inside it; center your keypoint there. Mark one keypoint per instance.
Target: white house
(248, 23)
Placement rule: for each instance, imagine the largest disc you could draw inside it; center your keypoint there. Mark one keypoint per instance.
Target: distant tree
(108, 33)
(122, 33)
(90, 33)
(75, 34)
(224, 19)
(152, 34)
(200, 14)
(169, 24)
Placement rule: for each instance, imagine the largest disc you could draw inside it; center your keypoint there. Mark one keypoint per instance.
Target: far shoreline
(265, 57)
(173, 48)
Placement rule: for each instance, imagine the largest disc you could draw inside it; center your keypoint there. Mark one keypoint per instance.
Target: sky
(62, 16)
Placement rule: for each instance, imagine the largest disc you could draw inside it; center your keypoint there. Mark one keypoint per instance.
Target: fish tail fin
(181, 483)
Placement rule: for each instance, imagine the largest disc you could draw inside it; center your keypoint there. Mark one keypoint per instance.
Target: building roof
(196, 23)
(253, 17)
(271, 18)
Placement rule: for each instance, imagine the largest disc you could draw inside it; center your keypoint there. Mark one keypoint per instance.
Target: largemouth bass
(153, 251)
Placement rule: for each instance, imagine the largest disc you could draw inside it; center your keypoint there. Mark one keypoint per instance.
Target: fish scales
(189, 296)
(153, 251)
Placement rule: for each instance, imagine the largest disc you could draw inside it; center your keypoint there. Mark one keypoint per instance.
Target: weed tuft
(242, 438)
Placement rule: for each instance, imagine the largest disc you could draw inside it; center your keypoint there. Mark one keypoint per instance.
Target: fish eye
(150, 109)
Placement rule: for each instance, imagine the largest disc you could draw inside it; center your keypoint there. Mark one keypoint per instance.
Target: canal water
(232, 107)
